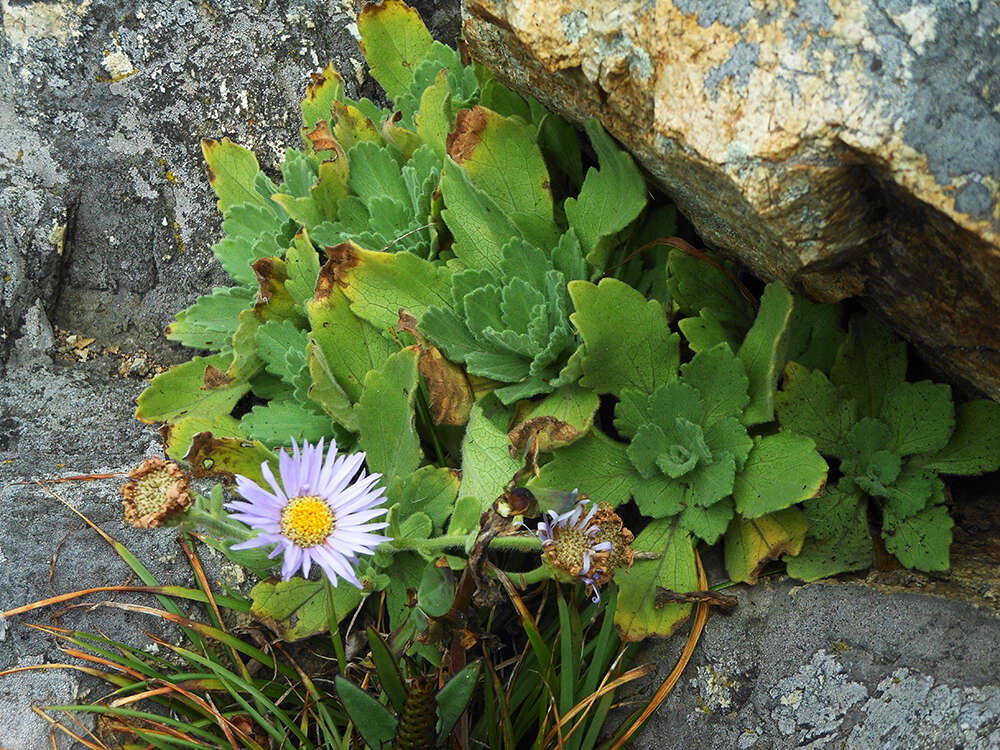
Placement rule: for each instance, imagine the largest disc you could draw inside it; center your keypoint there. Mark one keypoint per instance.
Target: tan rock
(847, 147)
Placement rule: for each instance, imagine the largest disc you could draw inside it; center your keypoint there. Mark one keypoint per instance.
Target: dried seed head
(158, 490)
(611, 529)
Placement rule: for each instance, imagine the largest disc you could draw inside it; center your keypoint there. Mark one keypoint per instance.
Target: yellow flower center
(307, 520)
(151, 491)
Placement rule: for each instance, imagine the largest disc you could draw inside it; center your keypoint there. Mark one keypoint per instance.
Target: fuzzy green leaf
(502, 160)
(850, 549)
(696, 284)
(486, 463)
(610, 199)
(810, 405)
(430, 489)
(815, 334)
(252, 232)
(437, 590)
(350, 346)
(763, 352)
(434, 119)
(211, 321)
(375, 173)
(658, 496)
(780, 471)
(594, 464)
(394, 40)
(636, 614)
(921, 417)
(751, 543)
(708, 524)
(921, 541)
(706, 331)
(385, 416)
(303, 265)
(628, 340)
(720, 378)
(912, 491)
(832, 514)
(326, 390)
(181, 392)
(478, 225)
(465, 518)
(231, 171)
(276, 339)
(279, 422)
(870, 364)
(974, 447)
(868, 462)
(297, 608)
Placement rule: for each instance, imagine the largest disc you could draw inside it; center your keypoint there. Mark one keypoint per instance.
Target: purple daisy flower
(569, 541)
(321, 512)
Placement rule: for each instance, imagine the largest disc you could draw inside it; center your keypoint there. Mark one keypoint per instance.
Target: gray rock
(832, 665)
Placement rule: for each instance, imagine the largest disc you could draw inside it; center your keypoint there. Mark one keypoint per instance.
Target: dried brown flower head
(158, 490)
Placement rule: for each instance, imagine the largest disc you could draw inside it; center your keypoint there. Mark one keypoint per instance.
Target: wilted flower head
(587, 544)
(158, 490)
(320, 512)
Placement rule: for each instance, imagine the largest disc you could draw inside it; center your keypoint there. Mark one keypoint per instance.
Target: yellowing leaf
(323, 90)
(752, 542)
(193, 389)
(636, 614)
(231, 171)
(393, 40)
(298, 608)
(780, 471)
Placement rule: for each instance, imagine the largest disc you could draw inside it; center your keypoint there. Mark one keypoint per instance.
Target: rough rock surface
(835, 666)
(848, 147)
(106, 225)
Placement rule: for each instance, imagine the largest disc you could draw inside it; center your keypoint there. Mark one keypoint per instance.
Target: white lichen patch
(919, 22)
(118, 64)
(23, 22)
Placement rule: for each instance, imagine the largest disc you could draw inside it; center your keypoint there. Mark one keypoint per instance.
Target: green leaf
(486, 463)
(379, 284)
(708, 524)
(331, 186)
(182, 392)
(867, 462)
(502, 160)
(921, 417)
(628, 340)
(303, 265)
(706, 331)
(297, 608)
(282, 346)
(921, 541)
(252, 232)
(912, 491)
(763, 352)
(437, 590)
(177, 437)
(373, 720)
(810, 405)
(465, 518)
(594, 464)
(561, 146)
(849, 550)
(211, 321)
(695, 284)
(720, 378)
(751, 543)
(974, 447)
(780, 471)
(636, 614)
(231, 171)
(326, 391)
(659, 496)
(454, 697)
(385, 416)
(870, 364)
(434, 119)
(280, 421)
(815, 334)
(393, 40)
(430, 489)
(611, 198)
(389, 676)
(375, 174)
(478, 225)
(352, 126)
(350, 346)
(832, 514)
(323, 90)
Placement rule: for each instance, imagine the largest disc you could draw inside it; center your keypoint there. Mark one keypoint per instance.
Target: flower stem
(525, 542)
(526, 578)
